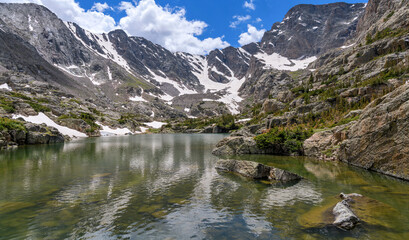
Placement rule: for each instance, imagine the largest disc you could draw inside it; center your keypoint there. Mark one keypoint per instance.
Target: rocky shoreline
(31, 134)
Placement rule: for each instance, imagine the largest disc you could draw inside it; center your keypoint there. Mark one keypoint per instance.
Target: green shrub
(19, 95)
(386, 33)
(227, 121)
(38, 107)
(7, 105)
(389, 16)
(345, 121)
(42, 100)
(289, 139)
(11, 124)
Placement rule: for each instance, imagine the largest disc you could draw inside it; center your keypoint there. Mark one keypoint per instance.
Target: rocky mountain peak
(309, 30)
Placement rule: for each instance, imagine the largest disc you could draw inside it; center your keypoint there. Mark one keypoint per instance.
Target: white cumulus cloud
(249, 5)
(100, 7)
(167, 27)
(69, 10)
(252, 35)
(239, 19)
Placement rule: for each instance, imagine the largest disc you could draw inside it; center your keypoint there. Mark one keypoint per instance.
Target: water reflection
(165, 186)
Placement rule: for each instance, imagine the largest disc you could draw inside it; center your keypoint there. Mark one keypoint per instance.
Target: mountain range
(117, 68)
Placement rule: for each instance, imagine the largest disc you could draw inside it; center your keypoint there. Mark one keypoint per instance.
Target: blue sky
(195, 26)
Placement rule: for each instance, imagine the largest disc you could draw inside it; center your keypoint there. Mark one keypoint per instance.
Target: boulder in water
(344, 217)
(255, 170)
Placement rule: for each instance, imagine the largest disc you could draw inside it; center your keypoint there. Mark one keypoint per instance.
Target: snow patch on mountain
(70, 70)
(29, 24)
(181, 89)
(348, 46)
(276, 61)
(107, 131)
(103, 41)
(5, 86)
(137, 99)
(109, 73)
(155, 124)
(230, 91)
(42, 118)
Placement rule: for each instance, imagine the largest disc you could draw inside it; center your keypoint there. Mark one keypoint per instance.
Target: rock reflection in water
(303, 191)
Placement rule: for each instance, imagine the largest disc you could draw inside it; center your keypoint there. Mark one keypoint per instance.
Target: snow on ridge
(137, 99)
(110, 52)
(42, 118)
(70, 69)
(231, 98)
(109, 73)
(243, 120)
(6, 87)
(29, 23)
(106, 46)
(231, 71)
(66, 69)
(348, 46)
(279, 62)
(182, 89)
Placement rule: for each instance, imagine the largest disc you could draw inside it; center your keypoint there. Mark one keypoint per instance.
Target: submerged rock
(255, 170)
(346, 214)
(282, 175)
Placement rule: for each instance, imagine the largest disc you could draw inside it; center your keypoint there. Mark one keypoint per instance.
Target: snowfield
(42, 118)
(155, 124)
(5, 86)
(107, 131)
(279, 62)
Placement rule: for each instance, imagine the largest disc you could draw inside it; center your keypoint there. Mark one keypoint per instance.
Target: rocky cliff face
(379, 63)
(378, 140)
(378, 9)
(309, 30)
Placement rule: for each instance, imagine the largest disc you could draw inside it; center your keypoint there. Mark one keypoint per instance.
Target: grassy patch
(87, 117)
(38, 107)
(73, 100)
(130, 117)
(383, 77)
(345, 121)
(226, 121)
(7, 105)
(20, 95)
(10, 124)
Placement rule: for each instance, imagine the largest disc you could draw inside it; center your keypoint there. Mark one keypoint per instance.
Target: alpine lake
(166, 187)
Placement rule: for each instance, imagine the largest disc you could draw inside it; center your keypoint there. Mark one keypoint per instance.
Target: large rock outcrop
(378, 141)
(237, 146)
(32, 134)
